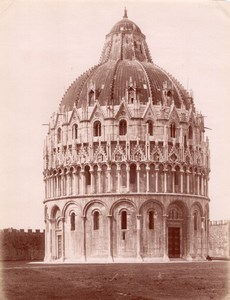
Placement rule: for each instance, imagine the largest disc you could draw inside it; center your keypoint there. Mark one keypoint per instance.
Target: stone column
(67, 184)
(207, 236)
(165, 181)
(118, 178)
(63, 239)
(82, 180)
(57, 185)
(173, 181)
(109, 179)
(74, 187)
(62, 185)
(198, 183)
(47, 241)
(99, 179)
(202, 184)
(147, 178)
(202, 237)
(156, 179)
(207, 191)
(47, 186)
(181, 181)
(50, 186)
(128, 177)
(53, 250)
(44, 180)
(139, 237)
(165, 239)
(188, 182)
(83, 258)
(189, 237)
(110, 242)
(138, 178)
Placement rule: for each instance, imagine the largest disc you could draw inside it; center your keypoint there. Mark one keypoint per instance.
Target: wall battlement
(20, 244)
(36, 231)
(219, 239)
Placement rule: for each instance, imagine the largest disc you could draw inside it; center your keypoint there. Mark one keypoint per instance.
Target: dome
(111, 81)
(125, 25)
(125, 63)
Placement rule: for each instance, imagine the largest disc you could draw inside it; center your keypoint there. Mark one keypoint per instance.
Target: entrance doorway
(174, 242)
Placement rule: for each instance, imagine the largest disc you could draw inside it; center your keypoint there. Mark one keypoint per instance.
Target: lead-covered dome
(125, 25)
(125, 72)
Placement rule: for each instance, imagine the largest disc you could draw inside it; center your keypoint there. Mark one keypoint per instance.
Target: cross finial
(125, 14)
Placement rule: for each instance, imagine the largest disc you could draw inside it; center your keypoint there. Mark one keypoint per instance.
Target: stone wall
(219, 239)
(22, 245)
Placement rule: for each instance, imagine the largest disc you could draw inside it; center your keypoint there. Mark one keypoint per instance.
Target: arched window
(97, 128)
(96, 220)
(190, 132)
(151, 219)
(72, 221)
(91, 97)
(130, 95)
(195, 220)
(123, 219)
(87, 175)
(74, 131)
(122, 127)
(150, 127)
(59, 135)
(173, 130)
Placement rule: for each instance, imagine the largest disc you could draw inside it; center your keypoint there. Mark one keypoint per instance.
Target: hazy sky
(45, 45)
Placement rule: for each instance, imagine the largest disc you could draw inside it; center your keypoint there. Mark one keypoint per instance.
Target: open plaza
(173, 280)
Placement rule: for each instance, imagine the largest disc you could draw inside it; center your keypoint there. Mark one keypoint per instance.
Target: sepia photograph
(114, 149)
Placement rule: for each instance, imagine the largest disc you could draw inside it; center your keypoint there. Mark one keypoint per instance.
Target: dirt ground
(185, 280)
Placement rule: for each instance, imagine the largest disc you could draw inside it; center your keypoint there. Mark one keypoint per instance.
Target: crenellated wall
(219, 239)
(22, 245)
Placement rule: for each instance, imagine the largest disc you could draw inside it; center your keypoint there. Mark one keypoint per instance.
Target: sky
(45, 45)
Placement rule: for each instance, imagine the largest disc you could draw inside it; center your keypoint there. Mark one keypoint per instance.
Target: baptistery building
(126, 162)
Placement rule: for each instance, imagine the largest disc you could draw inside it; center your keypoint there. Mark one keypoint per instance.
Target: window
(59, 135)
(190, 132)
(74, 131)
(177, 176)
(96, 220)
(133, 174)
(173, 214)
(150, 127)
(173, 130)
(123, 219)
(122, 127)
(91, 97)
(195, 221)
(130, 95)
(72, 221)
(185, 141)
(87, 176)
(97, 128)
(151, 219)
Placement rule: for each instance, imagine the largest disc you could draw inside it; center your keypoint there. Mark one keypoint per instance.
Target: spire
(125, 14)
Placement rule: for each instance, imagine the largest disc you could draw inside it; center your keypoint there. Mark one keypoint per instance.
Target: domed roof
(125, 64)
(125, 25)
(111, 81)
